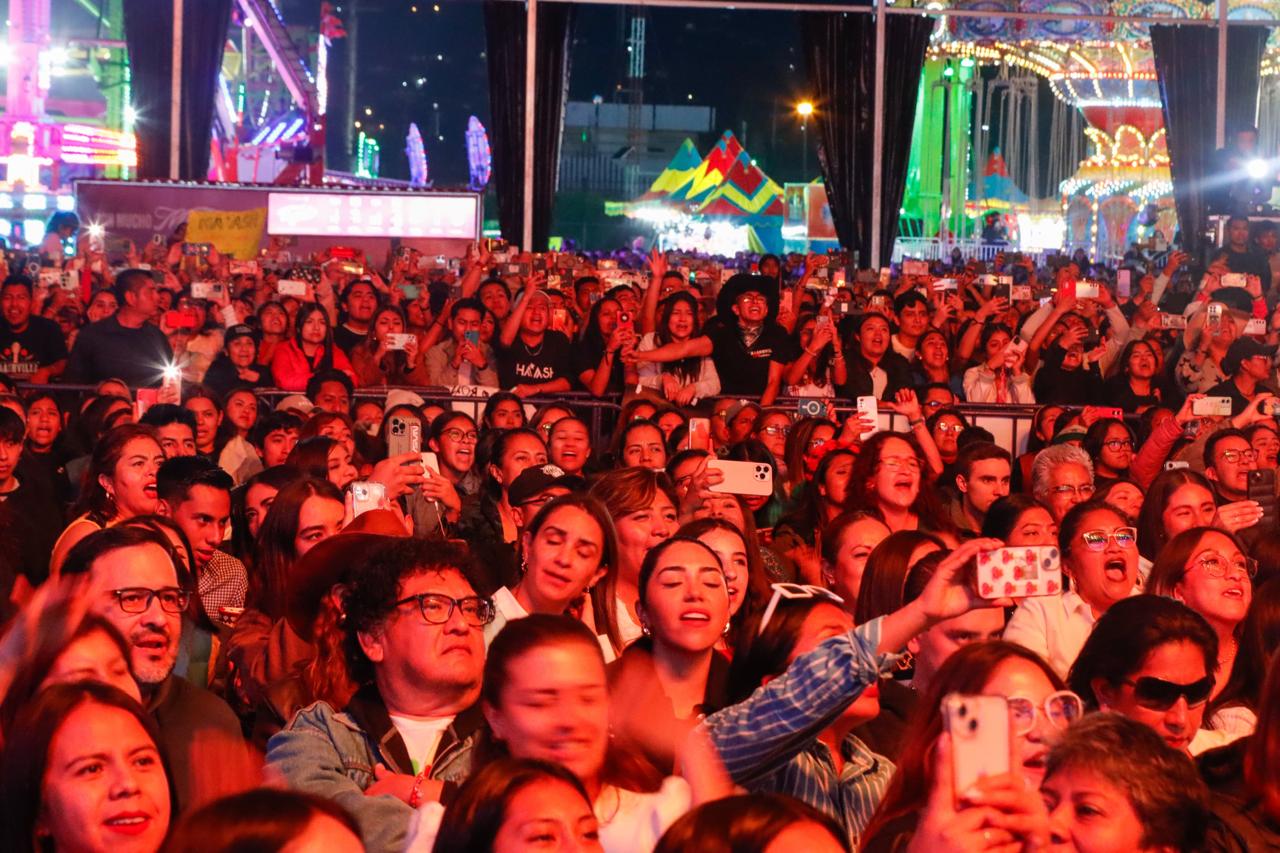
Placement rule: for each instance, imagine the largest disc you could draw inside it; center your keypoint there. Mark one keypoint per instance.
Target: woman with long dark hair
(820, 368)
(686, 380)
(600, 366)
(375, 362)
(82, 770)
(311, 349)
(120, 483)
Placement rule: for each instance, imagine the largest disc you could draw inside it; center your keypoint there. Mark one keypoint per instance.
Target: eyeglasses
(752, 297)
(137, 599)
(908, 463)
(1061, 709)
(1234, 456)
(1084, 491)
(1096, 540)
(1157, 694)
(945, 428)
(815, 443)
(1118, 444)
(1215, 565)
(455, 434)
(437, 608)
(794, 592)
(776, 430)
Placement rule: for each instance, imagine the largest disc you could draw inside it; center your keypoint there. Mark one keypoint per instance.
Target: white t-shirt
(421, 737)
(507, 609)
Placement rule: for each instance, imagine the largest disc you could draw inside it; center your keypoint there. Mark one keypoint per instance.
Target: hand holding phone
(981, 738)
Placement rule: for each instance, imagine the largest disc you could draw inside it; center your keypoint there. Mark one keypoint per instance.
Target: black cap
(1241, 349)
(532, 482)
(240, 330)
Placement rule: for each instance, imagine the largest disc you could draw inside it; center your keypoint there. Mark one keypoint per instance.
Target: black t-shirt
(345, 339)
(107, 350)
(586, 355)
(745, 369)
(520, 364)
(39, 345)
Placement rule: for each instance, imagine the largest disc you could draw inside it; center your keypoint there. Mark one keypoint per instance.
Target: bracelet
(415, 793)
(917, 422)
(810, 352)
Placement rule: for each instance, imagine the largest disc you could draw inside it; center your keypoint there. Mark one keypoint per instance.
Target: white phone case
(981, 738)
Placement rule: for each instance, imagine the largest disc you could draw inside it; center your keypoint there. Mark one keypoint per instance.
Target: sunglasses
(794, 592)
(1160, 695)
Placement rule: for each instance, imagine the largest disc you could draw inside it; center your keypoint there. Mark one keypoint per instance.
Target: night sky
(747, 65)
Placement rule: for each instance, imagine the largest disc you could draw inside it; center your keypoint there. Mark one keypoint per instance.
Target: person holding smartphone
(462, 359)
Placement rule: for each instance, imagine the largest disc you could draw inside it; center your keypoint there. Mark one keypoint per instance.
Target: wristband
(917, 422)
(415, 793)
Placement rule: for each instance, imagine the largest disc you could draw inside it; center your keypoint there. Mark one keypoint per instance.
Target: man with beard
(133, 584)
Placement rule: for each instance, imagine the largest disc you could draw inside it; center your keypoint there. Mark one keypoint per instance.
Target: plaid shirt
(770, 741)
(222, 582)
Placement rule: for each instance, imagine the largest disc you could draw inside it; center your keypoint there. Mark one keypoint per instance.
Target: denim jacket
(332, 754)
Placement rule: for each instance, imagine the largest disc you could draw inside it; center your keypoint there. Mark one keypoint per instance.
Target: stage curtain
(1186, 60)
(505, 43)
(840, 52)
(148, 26)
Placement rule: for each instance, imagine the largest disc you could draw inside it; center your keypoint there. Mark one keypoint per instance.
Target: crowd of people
(513, 552)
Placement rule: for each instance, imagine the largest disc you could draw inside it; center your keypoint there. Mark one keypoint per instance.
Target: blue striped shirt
(769, 742)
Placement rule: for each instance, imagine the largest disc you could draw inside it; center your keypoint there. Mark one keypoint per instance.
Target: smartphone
(1020, 293)
(291, 287)
(822, 321)
(1086, 290)
(699, 434)
(560, 319)
(811, 408)
(1255, 326)
(399, 340)
(624, 319)
(1212, 407)
(1262, 488)
(180, 319)
(838, 278)
(785, 302)
(1123, 285)
(472, 337)
(946, 284)
(1175, 464)
(143, 399)
(228, 615)
(205, 289)
(743, 478)
(1172, 321)
(915, 267)
(367, 495)
(430, 462)
(1233, 279)
(1214, 313)
(981, 738)
(871, 407)
(988, 280)
(1019, 572)
(171, 383)
(404, 435)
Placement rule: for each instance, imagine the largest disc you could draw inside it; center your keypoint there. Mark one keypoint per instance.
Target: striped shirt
(769, 742)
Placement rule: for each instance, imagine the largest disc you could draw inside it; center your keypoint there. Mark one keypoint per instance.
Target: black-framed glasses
(437, 608)
(1096, 540)
(776, 430)
(137, 599)
(1234, 456)
(1118, 444)
(455, 434)
(1157, 694)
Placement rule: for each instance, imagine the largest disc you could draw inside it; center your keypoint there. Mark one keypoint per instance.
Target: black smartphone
(1262, 488)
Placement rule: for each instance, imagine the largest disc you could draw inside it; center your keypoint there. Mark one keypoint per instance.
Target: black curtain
(148, 29)
(1186, 60)
(840, 51)
(504, 23)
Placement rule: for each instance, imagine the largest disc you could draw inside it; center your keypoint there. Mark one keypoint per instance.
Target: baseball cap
(299, 403)
(240, 330)
(532, 482)
(1241, 349)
